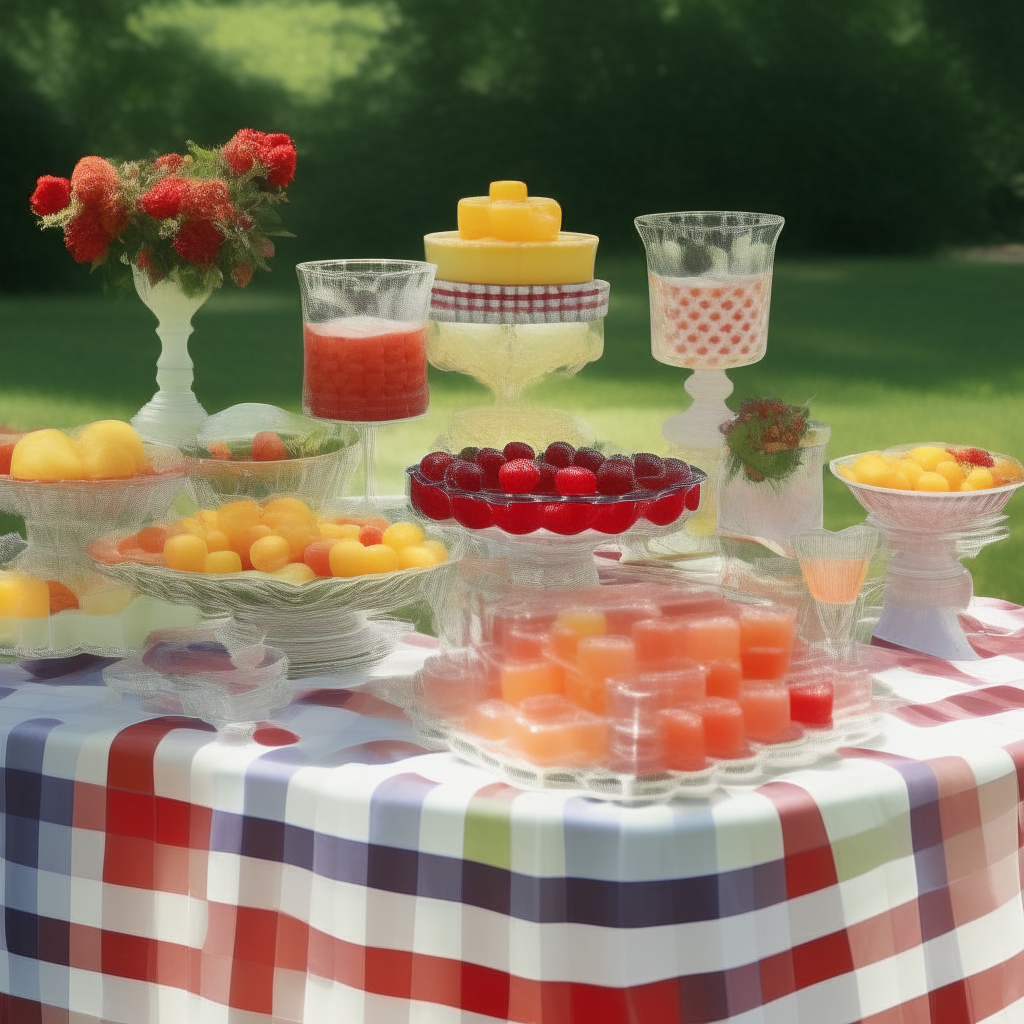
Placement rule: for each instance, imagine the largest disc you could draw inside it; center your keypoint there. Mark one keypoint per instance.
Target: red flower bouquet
(197, 219)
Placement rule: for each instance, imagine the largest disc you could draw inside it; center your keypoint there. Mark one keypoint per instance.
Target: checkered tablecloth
(334, 871)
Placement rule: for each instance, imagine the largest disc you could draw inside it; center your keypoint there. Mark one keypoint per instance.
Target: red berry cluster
(563, 489)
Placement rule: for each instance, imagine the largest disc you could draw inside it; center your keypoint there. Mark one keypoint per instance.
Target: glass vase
(173, 415)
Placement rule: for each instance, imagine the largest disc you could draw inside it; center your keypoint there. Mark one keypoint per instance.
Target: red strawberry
(490, 460)
(616, 477)
(588, 458)
(546, 483)
(560, 454)
(464, 476)
(972, 456)
(568, 517)
(646, 465)
(575, 480)
(676, 472)
(518, 476)
(268, 447)
(518, 450)
(432, 466)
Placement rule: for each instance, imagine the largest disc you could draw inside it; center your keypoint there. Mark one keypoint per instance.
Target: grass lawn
(889, 350)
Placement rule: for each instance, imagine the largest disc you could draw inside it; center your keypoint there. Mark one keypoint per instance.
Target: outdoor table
(334, 870)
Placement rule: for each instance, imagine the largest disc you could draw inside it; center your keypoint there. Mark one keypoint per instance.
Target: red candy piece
(219, 450)
(6, 451)
(666, 510)
(616, 477)
(464, 476)
(568, 517)
(588, 458)
(615, 516)
(676, 472)
(151, 539)
(429, 498)
(268, 447)
(318, 556)
(560, 454)
(519, 517)
(432, 466)
(371, 535)
(646, 465)
(518, 450)
(518, 476)
(692, 498)
(473, 513)
(972, 456)
(811, 703)
(575, 480)
(490, 460)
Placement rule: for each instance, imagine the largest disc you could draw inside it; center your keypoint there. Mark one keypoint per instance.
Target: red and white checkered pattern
(455, 302)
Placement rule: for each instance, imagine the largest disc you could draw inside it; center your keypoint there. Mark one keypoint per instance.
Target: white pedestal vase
(173, 414)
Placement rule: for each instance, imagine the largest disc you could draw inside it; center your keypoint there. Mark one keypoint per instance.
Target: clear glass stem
(368, 439)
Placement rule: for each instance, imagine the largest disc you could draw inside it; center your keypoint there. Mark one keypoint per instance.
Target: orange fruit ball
(220, 562)
(152, 538)
(243, 541)
(186, 552)
(270, 553)
(62, 598)
(318, 556)
(348, 558)
(381, 558)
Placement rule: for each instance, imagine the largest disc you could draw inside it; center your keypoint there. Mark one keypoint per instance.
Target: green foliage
(764, 439)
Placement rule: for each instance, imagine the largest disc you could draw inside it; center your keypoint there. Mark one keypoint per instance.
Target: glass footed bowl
(926, 511)
(80, 510)
(540, 516)
(324, 626)
(318, 478)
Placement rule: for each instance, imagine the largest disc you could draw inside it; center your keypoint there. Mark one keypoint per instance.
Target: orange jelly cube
(523, 679)
(766, 627)
(548, 729)
(724, 733)
(765, 712)
(723, 678)
(716, 638)
(682, 740)
(659, 640)
(598, 659)
(765, 662)
(620, 618)
(571, 626)
(491, 720)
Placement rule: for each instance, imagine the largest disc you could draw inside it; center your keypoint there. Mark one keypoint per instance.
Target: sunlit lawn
(889, 351)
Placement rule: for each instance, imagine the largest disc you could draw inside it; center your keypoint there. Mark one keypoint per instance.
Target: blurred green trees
(872, 125)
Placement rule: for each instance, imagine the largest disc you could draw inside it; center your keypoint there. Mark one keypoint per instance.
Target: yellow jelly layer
(533, 219)
(569, 259)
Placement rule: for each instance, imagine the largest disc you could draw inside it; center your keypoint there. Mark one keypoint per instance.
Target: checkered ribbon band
(333, 870)
(454, 302)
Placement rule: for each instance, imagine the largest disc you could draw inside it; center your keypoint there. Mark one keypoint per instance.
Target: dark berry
(518, 450)
(469, 453)
(560, 454)
(620, 458)
(546, 483)
(432, 466)
(518, 476)
(490, 460)
(616, 477)
(676, 472)
(575, 480)
(653, 483)
(464, 476)
(588, 458)
(647, 465)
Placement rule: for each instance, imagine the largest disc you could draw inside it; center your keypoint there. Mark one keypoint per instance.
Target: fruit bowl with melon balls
(548, 512)
(255, 451)
(314, 586)
(936, 503)
(71, 489)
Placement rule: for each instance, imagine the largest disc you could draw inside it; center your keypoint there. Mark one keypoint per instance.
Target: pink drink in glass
(364, 369)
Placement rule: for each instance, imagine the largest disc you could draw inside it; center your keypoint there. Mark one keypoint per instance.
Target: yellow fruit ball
(189, 525)
(437, 549)
(348, 558)
(379, 558)
(209, 518)
(270, 553)
(288, 507)
(952, 472)
(848, 474)
(931, 482)
(901, 480)
(873, 470)
(115, 432)
(910, 469)
(217, 540)
(340, 531)
(295, 572)
(104, 461)
(106, 601)
(218, 563)
(928, 457)
(298, 532)
(237, 516)
(23, 596)
(185, 551)
(1006, 471)
(402, 535)
(415, 556)
(46, 455)
(979, 479)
